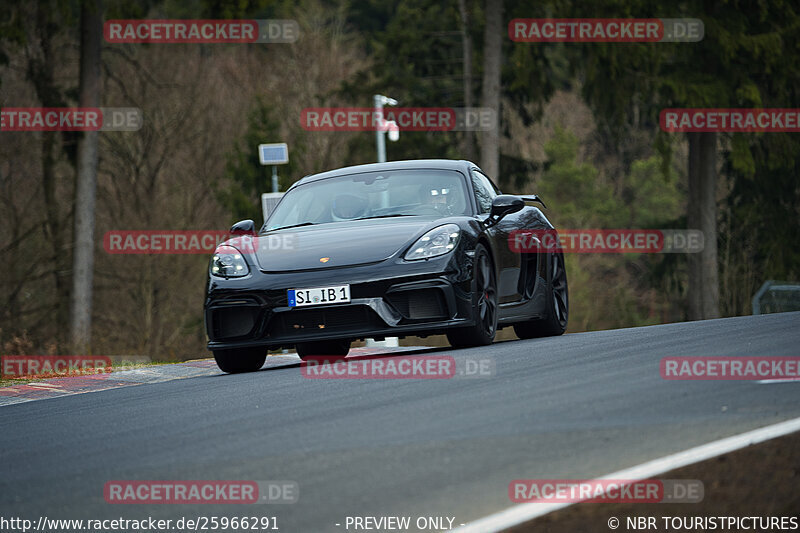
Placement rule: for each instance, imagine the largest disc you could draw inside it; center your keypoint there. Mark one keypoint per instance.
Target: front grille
(317, 321)
(419, 304)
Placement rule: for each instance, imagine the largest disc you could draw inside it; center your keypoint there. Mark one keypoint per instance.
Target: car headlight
(228, 262)
(437, 241)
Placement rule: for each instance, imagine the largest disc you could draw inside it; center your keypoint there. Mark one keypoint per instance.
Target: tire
(557, 303)
(241, 360)
(329, 350)
(484, 294)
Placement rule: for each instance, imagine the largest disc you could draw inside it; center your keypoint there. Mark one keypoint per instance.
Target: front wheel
(241, 360)
(556, 315)
(484, 305)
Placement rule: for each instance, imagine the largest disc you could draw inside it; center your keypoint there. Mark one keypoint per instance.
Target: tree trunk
(493, 55)
(468, 142)
(86, 186)
(702, 215)
(40, 71)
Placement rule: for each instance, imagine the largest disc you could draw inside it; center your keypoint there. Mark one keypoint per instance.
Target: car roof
(443, 164)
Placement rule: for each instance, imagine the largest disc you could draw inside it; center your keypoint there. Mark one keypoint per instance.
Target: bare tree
(91, 28)
(492, 62)
(40, 64)
(167, 175)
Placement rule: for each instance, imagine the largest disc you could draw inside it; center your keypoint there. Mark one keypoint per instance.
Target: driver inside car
(436, 197)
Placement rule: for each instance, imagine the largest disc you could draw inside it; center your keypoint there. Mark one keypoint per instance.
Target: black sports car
(388, 249)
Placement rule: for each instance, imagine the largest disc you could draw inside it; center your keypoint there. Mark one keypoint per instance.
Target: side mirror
(534, 198)
(503, 205)
(243, 227)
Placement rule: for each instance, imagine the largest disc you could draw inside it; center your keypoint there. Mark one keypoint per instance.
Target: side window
(485, 191)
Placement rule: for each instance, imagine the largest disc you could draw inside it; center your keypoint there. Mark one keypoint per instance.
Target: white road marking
(521, 513)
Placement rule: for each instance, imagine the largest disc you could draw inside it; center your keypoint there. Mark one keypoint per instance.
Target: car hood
(350, 243)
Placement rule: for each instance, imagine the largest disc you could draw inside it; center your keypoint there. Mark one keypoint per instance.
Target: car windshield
(392, 193)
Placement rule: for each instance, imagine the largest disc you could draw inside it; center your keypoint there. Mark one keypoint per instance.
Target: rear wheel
(484, 305)
(329, 350)
(240, 360)
(557, 303)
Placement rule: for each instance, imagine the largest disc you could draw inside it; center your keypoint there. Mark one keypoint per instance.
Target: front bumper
(421, 298)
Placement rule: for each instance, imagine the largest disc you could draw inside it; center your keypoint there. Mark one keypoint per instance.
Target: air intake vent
(422, 304)
(233, 321)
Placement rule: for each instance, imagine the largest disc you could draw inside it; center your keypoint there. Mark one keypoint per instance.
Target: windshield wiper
(293, 226)
(384, 216)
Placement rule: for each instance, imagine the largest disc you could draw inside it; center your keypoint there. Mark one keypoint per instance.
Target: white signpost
(384, 127)
(272, 154)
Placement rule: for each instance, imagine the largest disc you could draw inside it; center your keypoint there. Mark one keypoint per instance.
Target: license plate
(319, 296)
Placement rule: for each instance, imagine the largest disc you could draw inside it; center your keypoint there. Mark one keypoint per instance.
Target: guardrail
(777, 297)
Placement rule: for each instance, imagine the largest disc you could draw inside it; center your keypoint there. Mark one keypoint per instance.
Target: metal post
(275, 178)
(380, 139)
(380, 136)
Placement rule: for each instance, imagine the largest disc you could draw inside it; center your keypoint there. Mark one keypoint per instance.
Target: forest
(578, 124)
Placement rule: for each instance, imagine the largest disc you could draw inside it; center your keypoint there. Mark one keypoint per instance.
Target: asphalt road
(577, 406)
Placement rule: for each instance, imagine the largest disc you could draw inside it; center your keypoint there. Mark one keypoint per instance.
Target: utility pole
(91, 33)
(383, 126)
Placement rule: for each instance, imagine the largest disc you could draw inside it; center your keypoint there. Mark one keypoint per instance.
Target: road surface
(578, 406)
